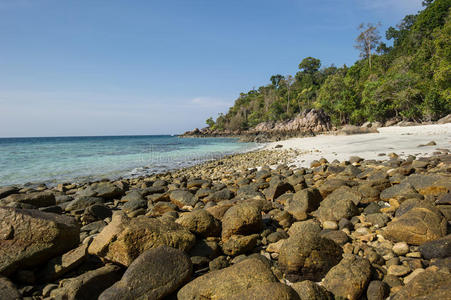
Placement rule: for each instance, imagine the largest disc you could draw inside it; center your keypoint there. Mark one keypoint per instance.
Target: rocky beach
(277, 223)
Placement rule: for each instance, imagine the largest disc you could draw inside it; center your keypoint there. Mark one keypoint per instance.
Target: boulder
(308, 256)
(182, 198)
(304, 227)
(337, 205)
(8, 190)
(440, 248)
(430, 184)
(88, 285)
(303, 202)
(228, 282)
(277, 189)
(398, 191)
(377, 290)
(133, 205)
(37, 199)
(266, 291)
(430, 285)
(205, 248)
(124, 239)
(98, 212)
(8, 291)
(200, 222)
(224, 194)
(30, 237)
(349, 278)
(155, 274)
(243, 218)
(309, 290)
(83, 202)
(59, 266)
(133, 196)
(417, 226)
(239, 244)
(105, 190)
(446, 119)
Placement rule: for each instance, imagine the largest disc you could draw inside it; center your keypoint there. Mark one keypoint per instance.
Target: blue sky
(157, 67)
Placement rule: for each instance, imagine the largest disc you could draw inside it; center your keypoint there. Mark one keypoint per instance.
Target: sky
(117, 67)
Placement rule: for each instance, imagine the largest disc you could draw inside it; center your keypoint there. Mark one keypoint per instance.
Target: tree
(288, 82)
(275, 80)
(368, 39)
(210, 122)
(310, 65)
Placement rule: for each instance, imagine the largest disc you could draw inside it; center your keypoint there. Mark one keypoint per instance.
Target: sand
(403, 141)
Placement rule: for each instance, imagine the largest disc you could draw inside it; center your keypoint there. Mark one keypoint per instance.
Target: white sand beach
(400, 140)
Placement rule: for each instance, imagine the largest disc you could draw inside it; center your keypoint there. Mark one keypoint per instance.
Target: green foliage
(410, 80)
(210, 122)
(310, 65)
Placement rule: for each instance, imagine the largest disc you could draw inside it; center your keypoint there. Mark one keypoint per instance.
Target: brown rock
(58, 266)
(37, 199)
(124, 239)
(417, 226)
(200, 222)
(308, 256)
(239, 244)
(88, 285)
(31, 237)
(303, 202)
(7, 290)
(309, 290)
(155, 274)
(430, 285)
(228, 282)
(349, 278)
(243, 218)
(266, 291)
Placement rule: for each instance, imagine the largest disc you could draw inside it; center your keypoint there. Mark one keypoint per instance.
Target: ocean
(54, 160)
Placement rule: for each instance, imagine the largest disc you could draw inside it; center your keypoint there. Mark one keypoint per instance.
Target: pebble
(412, 275)
(400, 248)
(414, 254)
(330, 225)
(398, 270)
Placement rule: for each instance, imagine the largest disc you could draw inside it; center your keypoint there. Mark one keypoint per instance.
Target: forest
(408, 80)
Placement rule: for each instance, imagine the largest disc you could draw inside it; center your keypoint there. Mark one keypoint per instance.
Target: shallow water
(65, 159)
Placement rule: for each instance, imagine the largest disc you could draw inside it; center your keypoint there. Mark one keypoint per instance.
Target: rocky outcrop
(307, 123)
(311, 120)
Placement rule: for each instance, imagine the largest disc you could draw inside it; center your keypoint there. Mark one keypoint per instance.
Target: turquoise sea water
(53, 160)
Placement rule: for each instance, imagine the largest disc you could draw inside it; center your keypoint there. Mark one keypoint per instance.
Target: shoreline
(230, 219)
(302, 151)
